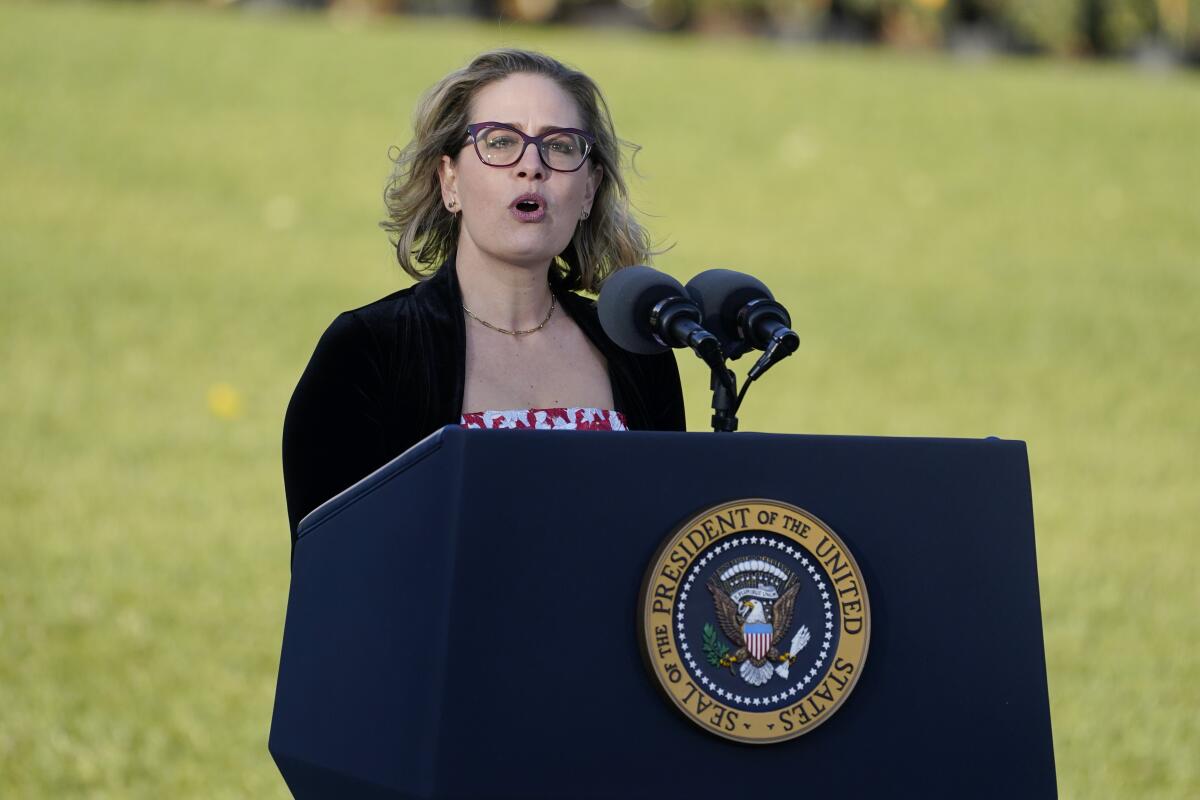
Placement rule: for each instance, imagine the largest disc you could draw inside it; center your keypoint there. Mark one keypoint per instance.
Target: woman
(509, 197)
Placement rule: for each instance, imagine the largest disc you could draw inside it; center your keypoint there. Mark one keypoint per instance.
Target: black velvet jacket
(386, 375)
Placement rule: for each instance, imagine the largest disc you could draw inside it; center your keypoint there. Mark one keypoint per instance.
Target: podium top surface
(717, 446)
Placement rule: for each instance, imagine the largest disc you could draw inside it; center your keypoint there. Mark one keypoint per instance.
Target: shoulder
(390, 316)
(380, 312)
(425, 298)
(357, 330)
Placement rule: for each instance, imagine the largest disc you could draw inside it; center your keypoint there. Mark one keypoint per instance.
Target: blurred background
(983, 216)
(1148, 30)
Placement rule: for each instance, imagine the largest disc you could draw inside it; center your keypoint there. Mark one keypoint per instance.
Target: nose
(530, 165)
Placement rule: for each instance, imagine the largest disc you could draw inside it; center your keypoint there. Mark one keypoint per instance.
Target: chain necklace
(487, 324)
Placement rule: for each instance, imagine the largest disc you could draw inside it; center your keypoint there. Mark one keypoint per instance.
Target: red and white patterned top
(557, 419)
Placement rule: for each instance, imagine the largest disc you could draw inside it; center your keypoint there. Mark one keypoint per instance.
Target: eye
(565, 145)
(500, 141)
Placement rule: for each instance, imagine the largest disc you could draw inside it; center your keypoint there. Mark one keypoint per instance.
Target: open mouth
(529, 207)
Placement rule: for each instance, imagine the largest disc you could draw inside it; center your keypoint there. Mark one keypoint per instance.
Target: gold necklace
(487, 324)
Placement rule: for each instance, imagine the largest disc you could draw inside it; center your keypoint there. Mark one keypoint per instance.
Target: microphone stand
(725, 400)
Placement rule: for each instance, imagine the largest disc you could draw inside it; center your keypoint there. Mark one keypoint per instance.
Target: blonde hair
(425, 233)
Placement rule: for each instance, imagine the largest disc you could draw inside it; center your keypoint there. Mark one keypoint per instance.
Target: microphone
(743, 314)
(646, 311)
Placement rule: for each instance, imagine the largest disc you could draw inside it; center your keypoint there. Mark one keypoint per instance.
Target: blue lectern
(463, 622)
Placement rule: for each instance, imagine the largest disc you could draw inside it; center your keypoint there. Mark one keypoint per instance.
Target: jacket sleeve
(334, 429)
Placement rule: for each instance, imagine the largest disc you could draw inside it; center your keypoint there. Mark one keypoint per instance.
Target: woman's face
(492, 225)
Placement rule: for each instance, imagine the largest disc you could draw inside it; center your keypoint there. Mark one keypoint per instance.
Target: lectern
(464, 622)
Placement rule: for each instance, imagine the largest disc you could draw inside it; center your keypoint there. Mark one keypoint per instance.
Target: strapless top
(558, 419)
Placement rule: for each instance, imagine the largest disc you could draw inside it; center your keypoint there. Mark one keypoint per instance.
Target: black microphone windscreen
(721, 293)
(627, 299)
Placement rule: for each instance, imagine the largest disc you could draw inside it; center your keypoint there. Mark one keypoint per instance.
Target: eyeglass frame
(474, 129)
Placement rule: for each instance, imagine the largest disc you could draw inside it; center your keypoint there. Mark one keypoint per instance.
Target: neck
(508, 295)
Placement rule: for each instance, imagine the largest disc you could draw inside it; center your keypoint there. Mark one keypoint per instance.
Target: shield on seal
(758, 638)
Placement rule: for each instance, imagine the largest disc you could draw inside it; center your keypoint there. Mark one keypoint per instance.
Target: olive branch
(714, 648)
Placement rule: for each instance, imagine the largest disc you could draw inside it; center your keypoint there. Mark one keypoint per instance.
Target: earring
(585, 215)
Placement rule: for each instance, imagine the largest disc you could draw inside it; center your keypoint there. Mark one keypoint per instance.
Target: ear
(595, 176)
(448, 178)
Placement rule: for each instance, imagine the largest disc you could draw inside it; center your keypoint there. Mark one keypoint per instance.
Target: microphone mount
(765, 324)
(674, 322)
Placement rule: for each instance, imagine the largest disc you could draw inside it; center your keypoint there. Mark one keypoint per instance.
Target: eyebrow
(541, 130)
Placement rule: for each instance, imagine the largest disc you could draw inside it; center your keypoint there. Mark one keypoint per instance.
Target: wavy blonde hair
(425, 233)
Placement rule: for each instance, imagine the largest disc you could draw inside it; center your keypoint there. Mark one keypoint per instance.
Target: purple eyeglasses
(500, 145)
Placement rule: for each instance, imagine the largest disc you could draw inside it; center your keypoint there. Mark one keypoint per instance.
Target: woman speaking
(508, 199)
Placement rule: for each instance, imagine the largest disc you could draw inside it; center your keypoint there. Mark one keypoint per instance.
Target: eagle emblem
(726, 607)
(754, 600)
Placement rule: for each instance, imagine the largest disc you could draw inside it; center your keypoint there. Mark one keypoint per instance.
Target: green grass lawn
(188, 197)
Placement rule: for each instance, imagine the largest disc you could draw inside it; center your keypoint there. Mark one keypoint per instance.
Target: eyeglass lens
(502, 147)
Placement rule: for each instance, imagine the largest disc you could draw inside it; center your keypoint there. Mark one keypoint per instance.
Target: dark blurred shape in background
(1151, 32)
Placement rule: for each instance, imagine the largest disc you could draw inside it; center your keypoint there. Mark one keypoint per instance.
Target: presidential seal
(755, 620)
